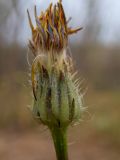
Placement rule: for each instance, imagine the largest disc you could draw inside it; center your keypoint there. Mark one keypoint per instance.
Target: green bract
(57, 101)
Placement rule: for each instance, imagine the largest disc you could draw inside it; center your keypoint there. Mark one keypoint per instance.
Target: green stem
(60, 142)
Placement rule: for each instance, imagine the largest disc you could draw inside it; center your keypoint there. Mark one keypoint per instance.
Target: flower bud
(57, 102)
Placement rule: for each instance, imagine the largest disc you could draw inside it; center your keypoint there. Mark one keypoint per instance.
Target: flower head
(51, 31)
(57, 101)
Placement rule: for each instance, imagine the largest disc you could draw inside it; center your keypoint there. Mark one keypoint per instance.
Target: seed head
(57, 101)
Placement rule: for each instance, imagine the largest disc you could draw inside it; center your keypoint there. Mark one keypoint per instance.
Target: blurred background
(96, 54)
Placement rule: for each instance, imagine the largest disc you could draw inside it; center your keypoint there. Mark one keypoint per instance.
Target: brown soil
(38, 146)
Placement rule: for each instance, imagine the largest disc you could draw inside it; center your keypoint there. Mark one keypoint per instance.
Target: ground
(37, 145)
